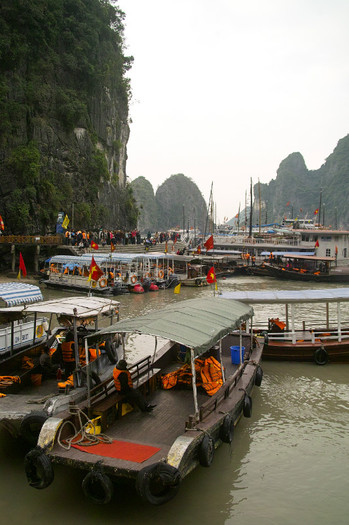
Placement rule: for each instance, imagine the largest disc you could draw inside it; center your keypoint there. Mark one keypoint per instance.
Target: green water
(288, 463)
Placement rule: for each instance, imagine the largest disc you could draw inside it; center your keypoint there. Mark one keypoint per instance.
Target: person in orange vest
(68, 353)
(123, 384)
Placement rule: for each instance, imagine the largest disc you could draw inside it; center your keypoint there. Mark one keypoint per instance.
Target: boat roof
(196, 323)
(292, 254)
(82, 307)
(15, 293)
(309, 257)
(326, 295)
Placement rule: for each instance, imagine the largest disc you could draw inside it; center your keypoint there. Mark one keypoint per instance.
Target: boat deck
(159, 428)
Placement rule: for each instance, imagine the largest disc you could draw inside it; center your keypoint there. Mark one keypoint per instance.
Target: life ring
(158, 483)
(39, 331)
(247, 406)
(148, 275)
(31, 426)
(103, 283)
(93, 284)
(133, 279)
(161, 274)
(321, 356)
(97, 487)
(259, 376)
(206, 451)
(170, 270)
(226, 432)
(38, 469)
(111, 351)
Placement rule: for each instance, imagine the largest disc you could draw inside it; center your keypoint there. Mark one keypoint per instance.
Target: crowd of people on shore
(84, 239)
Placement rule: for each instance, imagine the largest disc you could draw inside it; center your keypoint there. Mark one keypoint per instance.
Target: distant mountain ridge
(177, 202)
(296, 190)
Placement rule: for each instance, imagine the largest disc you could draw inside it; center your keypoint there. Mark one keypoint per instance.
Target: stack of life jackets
(208, 376)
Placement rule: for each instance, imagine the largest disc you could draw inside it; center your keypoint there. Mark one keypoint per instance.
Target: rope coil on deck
(81, 436)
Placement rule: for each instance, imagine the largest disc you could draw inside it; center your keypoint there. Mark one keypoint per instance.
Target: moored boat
(323, 341)
(27, 395)
(199, 388)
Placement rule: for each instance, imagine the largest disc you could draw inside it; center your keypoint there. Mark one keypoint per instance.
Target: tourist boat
(307, 268)
(18, 332)
(299, 339)
(26, 400)
(157, 450)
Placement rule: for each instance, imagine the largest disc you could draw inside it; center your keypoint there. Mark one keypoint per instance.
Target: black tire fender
(158, 483)
(206, 451)
(97, 487)
(31, 426)
(321, 356)
(111, 351)
(226, 432)
(38, 469)
(259, 376)
(247, 406)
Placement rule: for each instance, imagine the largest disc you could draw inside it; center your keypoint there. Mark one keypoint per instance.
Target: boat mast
(259, 206)
(251, 210)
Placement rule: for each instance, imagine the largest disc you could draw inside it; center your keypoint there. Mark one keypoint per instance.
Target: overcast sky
(224, 90)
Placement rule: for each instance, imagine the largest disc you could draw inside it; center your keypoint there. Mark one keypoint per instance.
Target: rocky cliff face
(296, 190)
(64, 106)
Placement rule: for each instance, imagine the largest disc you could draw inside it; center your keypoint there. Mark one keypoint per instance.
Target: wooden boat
(157, 450)
(18, 332)
(323, 341)
(26, 399)
(308, 268)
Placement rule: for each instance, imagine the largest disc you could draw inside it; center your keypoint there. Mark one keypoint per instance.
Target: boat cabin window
(328, 252)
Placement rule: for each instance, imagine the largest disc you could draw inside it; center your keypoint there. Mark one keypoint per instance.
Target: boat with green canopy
(199, 378)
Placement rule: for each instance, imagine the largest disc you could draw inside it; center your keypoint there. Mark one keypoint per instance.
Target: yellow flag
(177, 289)
(65, 222)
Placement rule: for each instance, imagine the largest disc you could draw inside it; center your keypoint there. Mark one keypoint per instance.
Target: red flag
(95, 271)
(211, 276)
(22, 267)
(209, 244)
(199, 249)
(2, 227)
(94, 245)
(237, 216)
(288, 203)
(317, 244)
(316, 211)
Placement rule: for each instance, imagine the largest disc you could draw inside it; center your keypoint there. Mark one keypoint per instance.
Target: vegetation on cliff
(64, 108)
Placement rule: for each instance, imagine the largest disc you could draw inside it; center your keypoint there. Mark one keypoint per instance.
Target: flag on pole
(94, 245)
(211, 276)
(209, 243)
(65, 222)
(95, 271)
(316, 211)
(112, 247)
(288, 203)
(2, 227)
(22, 267)
(177, 288)
(317, 244)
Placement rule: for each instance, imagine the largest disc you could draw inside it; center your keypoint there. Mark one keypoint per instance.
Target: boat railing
(223, 393)
(310, 336)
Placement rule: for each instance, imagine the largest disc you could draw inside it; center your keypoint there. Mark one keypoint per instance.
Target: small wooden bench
(106, 402)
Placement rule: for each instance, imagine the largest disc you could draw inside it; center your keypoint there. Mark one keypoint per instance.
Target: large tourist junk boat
(23, 380)
(200, 380)
(296, 338)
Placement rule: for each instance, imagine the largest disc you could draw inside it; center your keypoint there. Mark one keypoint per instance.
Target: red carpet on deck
(121, 450)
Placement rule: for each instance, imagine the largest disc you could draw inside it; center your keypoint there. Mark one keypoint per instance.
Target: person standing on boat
(123, 384)
(68, 353)
(48, 368)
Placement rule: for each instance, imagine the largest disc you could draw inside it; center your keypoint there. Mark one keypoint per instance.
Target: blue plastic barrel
(235, 354)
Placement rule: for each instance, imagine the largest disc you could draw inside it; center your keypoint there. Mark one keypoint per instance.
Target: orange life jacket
(117, 383)
(211, 375)
(69, 381)
(68, 352)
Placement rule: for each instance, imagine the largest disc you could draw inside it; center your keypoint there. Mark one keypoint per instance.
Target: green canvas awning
(196, 323)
